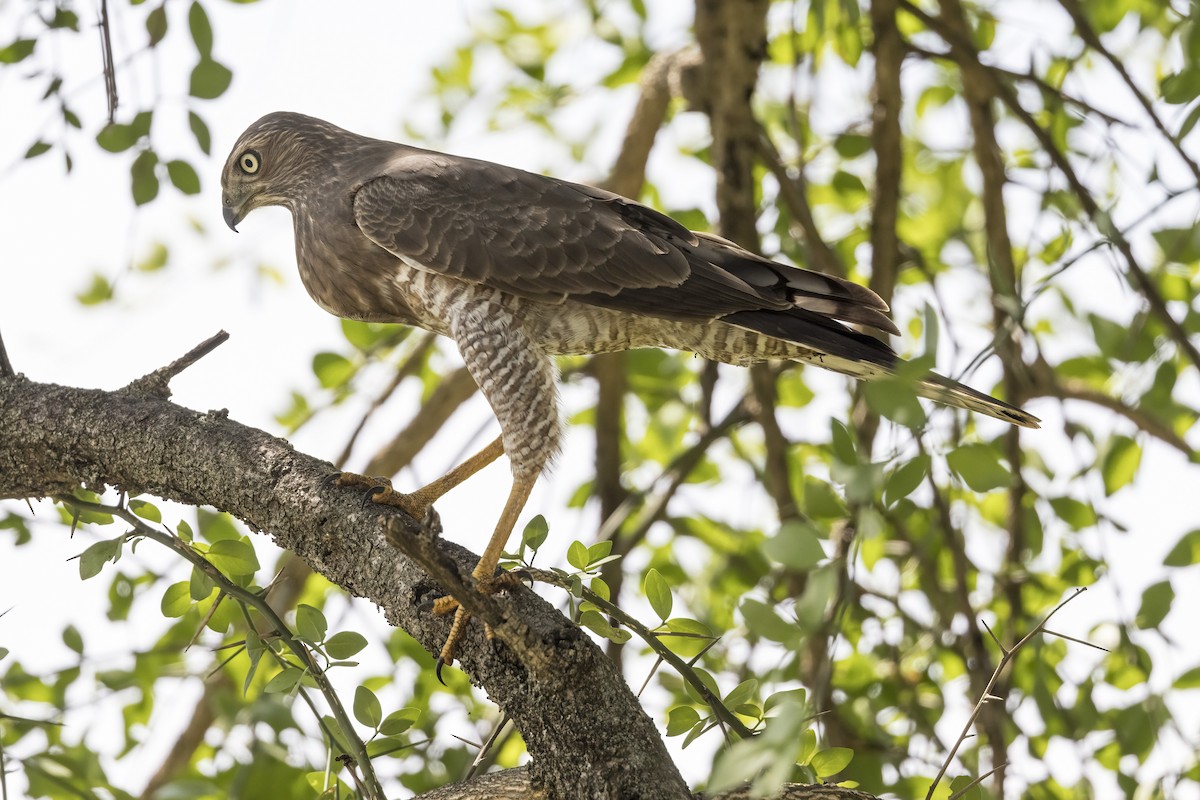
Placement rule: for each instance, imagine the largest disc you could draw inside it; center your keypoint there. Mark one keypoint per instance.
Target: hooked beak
(232, 215)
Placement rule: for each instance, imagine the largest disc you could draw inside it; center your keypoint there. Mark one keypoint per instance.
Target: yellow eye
(249, 162)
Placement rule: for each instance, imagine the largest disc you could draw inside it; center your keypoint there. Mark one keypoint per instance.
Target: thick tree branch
(58, 437)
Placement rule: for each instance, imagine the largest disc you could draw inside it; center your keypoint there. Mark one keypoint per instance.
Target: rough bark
(584, 729)
(597, 743)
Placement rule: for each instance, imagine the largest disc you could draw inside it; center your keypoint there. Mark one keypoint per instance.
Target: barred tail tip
(945, 390)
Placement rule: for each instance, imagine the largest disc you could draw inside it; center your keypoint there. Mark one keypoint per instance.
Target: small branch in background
(451, 392)
(6, 367)
(258, 602)
(1063, 96)
(412, 363)
(886, 136)
(1139, 278)
(652, 639)
(157, 383)
(793, 189)
(110, 70)
(986, 695)
(675, 474)
(776, 471)
(1086, 32)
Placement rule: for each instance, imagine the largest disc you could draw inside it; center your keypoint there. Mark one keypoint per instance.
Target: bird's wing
(542, 238)
(513, 230)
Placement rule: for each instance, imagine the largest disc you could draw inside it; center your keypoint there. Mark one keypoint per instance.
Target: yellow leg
(485, 570)
(417, 503)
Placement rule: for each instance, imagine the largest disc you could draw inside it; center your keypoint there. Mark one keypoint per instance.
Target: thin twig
(963, 791)
(986, 696)
(259, 604)
(650, 638)
(1101, 220)
(157, 383)
(486, 748)
(6, 367)
(110, 71)
(411, 364)
(1092, 39)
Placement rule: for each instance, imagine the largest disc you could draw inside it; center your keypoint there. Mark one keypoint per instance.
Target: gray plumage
(517, 267)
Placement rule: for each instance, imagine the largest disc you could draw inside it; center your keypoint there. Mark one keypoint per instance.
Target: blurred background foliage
(856, 572)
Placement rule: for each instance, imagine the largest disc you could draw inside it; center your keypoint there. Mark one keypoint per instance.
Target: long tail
(830, 344)
(953, 393)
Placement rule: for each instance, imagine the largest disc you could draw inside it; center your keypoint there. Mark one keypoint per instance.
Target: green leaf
(147, 511)
(598, 552)
(93, 559)
(681, 719)
(398, 722)
(310, 624)
(98, 291)
(843, 443)
(144, 177)
(1156, 604)
(37, 148)
(597, 623)
(366, 707)
(201, 29)
(979, 466)
(762, 620)
(535, 533)
(254, 652)
(117, 137)
(905, 479)
(17, 51)
(209, 80)
(894, 399)
(1121, 461)
(742, 693)
(285, 680)
(233, 557)
(1186, 551)
(156, 25)
(1182, 87)
(797, 545)
(184, 176)
(155, 260)
(200, 585)
(332, 370)
(831, 761)
(658, 593)
(200, 131)
(1188, 680)
(1076, 513)
(345, 644)
(577, 555)
(177, 599)
(73, 639)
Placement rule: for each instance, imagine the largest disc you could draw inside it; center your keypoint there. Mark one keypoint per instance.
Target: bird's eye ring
(249, 162)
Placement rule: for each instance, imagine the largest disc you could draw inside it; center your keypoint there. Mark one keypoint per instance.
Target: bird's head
(274, 162)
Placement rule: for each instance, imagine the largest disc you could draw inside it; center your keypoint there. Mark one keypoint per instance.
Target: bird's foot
(448, 604)
(379, 490)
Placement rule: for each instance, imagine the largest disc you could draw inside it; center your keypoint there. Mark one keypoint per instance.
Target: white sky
(301, 55)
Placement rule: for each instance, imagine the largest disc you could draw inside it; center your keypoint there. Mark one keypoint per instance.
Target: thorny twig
(1009, 653)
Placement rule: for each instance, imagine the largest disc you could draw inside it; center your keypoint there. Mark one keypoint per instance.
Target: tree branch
(58, 437)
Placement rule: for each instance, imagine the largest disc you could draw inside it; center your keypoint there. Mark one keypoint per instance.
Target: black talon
(369, 493)
(437, 670)
(426, 606)
(330, 480)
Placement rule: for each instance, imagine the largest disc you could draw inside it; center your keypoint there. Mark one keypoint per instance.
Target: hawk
(517, 268)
